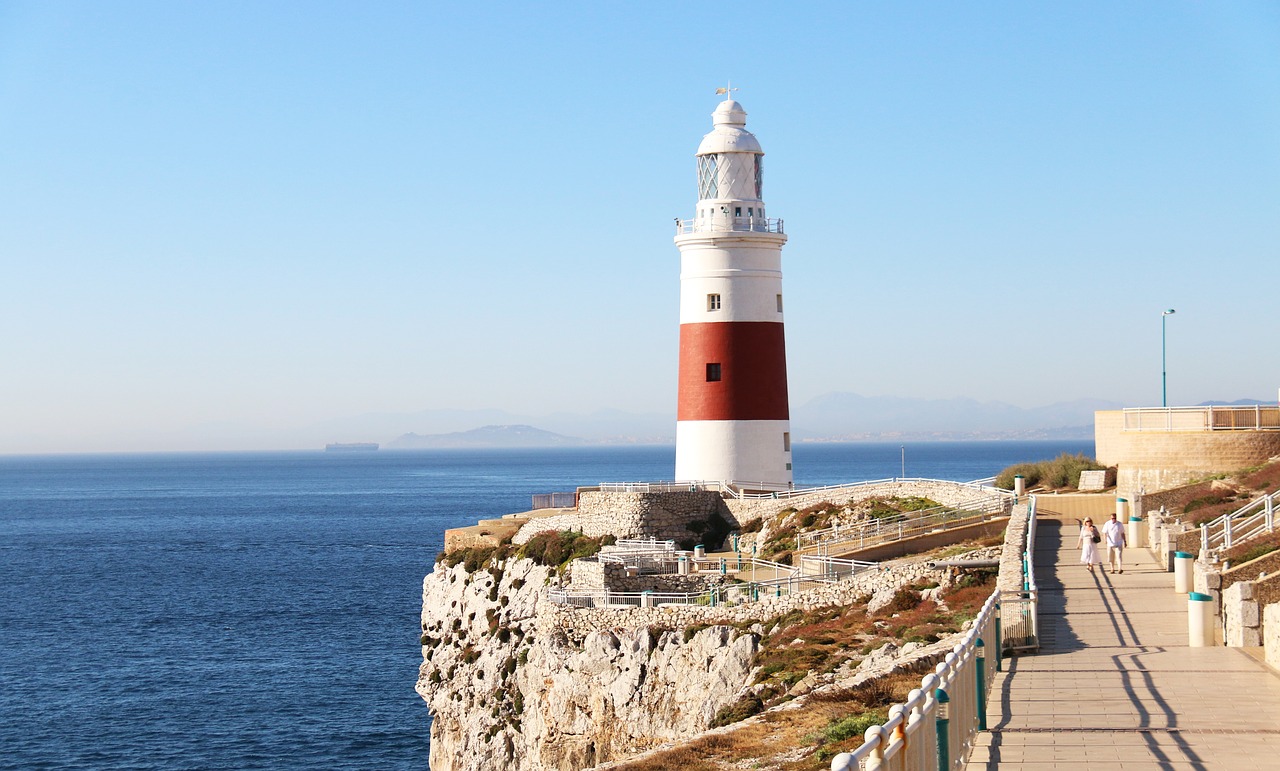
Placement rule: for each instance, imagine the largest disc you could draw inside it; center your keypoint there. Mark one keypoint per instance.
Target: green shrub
(740, 710)
(1063, 471)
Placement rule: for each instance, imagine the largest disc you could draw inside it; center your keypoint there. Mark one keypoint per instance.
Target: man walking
(1114, 537)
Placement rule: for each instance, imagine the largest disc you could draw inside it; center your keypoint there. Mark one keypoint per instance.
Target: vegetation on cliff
(1208, 499)
(796, 649)
(1061, 473)
(554, 549)
(783, 528)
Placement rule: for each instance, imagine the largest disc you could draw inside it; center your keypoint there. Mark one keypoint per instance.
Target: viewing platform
(1115, 684)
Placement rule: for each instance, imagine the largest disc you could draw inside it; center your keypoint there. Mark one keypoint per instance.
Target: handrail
(1257, 517)
(747, 591)
(1254, 417)
(888, 530)
(728, 224)
(920, 733)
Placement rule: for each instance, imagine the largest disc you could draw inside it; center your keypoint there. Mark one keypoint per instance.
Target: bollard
(1183, 569)
(699, 552)
(981, 672)
(682, 565)
(999, 647)
(1120, 504)
(646, 598)
(1200, 620)
(1135, 533)
(1019, 486)
(942, 727)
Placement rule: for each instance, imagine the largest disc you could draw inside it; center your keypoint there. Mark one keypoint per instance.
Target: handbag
(1096, 538)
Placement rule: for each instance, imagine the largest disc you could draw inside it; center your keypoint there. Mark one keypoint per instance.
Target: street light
(1164, 368)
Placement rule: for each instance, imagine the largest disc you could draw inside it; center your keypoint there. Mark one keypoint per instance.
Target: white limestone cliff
(509, 689)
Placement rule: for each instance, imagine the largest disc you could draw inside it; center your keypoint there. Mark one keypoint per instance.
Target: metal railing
(834, 568)
(728, 224)
(870, 532)
(1020, 613)
(729, 594)
(935, 727)
(1209, 418)
(554, 501)
(1258, 517)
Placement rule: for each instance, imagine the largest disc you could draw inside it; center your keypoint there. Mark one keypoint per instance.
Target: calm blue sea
(245, 611)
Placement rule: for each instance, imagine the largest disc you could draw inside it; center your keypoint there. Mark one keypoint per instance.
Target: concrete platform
(1115, 685)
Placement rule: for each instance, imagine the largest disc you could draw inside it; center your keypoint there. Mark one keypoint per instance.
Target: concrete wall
(1158, 460)
(635, 515)
(1069, 508)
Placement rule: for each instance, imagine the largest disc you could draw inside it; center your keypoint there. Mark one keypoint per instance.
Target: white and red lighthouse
(732, 419)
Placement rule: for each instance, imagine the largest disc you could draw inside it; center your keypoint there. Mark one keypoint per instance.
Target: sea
(261, 610)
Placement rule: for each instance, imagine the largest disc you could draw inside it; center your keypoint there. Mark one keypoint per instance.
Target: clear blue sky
(264, 215)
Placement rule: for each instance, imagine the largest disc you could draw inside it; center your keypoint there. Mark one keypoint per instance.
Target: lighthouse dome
(729, 134)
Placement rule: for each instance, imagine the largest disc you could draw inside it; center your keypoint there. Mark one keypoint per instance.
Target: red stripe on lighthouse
(753, 371)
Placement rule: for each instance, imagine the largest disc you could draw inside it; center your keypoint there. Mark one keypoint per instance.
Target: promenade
(1115, 685)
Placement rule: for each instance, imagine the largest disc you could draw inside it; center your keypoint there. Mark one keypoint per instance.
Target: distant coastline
(351, 447)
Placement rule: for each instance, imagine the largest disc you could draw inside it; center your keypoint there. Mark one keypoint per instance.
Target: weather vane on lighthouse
(727, 90)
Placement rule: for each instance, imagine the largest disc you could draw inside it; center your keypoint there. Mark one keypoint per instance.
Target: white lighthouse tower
(732, 419)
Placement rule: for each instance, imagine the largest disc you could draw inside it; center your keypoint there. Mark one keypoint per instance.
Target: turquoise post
(999, 647)
(982, 684)
(942, 726)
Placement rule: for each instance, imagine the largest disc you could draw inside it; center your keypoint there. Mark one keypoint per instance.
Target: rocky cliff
(507, 685)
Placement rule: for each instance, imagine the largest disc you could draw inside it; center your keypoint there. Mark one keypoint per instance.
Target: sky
(239, 218)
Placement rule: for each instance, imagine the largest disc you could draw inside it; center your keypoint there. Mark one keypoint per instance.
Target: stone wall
(665, 516)
(1159, 460)
(1241, 616)
(577, 623)
(948, 493)
(1271, 634)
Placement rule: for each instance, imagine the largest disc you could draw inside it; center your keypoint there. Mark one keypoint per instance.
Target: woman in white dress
(1088, 545)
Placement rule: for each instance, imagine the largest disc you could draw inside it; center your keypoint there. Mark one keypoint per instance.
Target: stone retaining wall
(577, 623)
(947, 493)
(665, 516)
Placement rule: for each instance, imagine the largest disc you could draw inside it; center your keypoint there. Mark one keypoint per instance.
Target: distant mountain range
(830, 417)
(486, 436)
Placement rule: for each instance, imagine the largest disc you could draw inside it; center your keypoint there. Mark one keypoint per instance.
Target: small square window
(788, 467)
(737, 211)
(779, 303)
(713, 302)
(713, 372)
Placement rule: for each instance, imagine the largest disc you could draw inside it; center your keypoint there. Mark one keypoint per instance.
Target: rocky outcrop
(506, 689)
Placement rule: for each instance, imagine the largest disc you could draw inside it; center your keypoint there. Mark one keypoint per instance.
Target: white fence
(1258, 517)
(936, 726)
(870, 532)
(1209, 418)
(729, 594)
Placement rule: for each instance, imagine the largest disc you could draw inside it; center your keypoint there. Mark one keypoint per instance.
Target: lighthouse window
(713, 372)
(713, 302)
(759, 177)
(708, 180)
(737, 211)
(786, 441)
(779, 303)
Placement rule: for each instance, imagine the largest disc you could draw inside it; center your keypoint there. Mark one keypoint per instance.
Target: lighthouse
(732, 419)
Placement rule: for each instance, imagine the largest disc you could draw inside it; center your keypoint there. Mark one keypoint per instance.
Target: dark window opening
(713, 372)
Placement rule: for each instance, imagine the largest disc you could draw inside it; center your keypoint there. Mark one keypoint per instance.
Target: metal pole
(1164, 368)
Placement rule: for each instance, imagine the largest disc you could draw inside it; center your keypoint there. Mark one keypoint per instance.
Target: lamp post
(1164, 367)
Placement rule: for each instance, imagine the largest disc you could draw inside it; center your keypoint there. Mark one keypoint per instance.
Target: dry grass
(775, 739)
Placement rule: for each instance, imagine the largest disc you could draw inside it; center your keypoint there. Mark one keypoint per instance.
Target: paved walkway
(1115, 686)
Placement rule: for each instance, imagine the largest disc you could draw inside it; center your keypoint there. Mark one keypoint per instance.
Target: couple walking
(1112, 535)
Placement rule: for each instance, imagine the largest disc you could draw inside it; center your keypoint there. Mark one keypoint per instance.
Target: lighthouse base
(746, 454)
